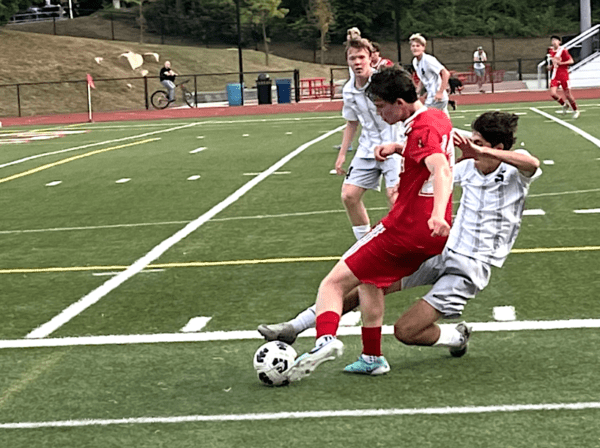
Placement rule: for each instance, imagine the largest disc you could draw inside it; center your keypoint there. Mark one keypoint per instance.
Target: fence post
(146, 93)
(195, 93)
(297, 85)
(112, 27)
(520, 69)
(54, 24)
(493, 62)
(19, 99)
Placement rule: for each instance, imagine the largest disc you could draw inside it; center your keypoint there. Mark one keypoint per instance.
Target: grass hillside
(32, 57)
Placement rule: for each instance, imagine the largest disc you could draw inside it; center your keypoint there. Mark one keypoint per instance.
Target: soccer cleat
(465, 331)
(369, 365)
(565, 108)
(576, 115)
(328, 348)
(284, 332)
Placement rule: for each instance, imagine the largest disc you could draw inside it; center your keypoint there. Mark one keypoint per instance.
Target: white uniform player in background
(433, 76)
(364, 173)
(495, 182)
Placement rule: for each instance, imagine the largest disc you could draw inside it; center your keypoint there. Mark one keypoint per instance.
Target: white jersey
(481, 58)
(428, 70)
(375, 131)
(489, 217)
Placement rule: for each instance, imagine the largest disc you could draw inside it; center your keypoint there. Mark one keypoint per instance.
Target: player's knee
(403, 332)
(350, 198)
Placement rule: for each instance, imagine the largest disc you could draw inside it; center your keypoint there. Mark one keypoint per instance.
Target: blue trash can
(234, 94)
(284, 90)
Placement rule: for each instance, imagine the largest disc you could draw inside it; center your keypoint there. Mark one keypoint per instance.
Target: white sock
(360, 231)
(449, 337)
(306, 319)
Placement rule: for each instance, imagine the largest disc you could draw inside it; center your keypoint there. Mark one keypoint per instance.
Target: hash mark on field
(122, 181)
(54, 183)
(194, 151)
(534, 212)
(548, 162)
(195, 324)
(194, 177)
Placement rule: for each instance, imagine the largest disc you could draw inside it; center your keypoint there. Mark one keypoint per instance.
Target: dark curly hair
(390, 84)
(497, 127)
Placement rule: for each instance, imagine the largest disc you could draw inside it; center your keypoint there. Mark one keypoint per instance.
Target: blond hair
(418, 38)
(353, 33)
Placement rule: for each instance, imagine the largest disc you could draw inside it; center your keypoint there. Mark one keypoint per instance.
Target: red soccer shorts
(561, 81)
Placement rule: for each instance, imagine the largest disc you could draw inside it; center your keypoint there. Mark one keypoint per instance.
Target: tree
(9, 8)
(323, 12)
(262, 12)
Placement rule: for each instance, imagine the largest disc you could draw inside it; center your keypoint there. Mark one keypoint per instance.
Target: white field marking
(584, 134)
(277, 172)
(548, 162)
(589, 210)
(504, 313)
(105, 142)
(112, 273)
(288, 133)
(94, 296)
(245, 135)
(194, 151)
(534, 212)
(194, 177)
(54, 183)
(539, 195)
(346, 413)
(332, 172)
(212, 336)
(123, 180)
(520, 113)
(195, 324)
(350, 319)
(200, 137)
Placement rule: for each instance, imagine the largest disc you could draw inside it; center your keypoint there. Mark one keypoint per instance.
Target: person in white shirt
(495, 183)
(365, 172)
(433, 76)
(479, 60)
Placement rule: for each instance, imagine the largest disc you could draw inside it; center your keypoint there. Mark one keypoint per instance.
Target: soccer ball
(272, 362)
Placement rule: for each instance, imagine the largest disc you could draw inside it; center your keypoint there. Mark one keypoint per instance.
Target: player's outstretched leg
(465, 331)
(368, 365)
(327, 348)
(284, 332)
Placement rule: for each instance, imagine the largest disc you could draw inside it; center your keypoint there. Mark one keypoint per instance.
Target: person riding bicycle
(167, 79)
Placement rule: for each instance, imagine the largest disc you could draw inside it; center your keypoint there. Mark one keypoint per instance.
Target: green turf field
(146, 231)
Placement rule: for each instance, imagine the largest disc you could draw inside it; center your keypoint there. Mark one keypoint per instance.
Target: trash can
(263, 88)
(234, 94)
(284, 90)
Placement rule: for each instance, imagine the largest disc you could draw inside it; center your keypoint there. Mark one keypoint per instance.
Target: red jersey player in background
(376, 60)
(559, 60)
(415, 229)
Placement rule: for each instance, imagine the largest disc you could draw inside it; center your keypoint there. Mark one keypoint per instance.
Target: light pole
(241, 61)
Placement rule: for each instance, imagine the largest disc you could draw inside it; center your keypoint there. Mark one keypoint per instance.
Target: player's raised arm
(439, 167)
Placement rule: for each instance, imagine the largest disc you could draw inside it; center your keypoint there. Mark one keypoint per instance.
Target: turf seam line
(114, 282)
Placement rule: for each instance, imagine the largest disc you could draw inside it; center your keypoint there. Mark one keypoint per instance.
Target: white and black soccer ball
(272, 362)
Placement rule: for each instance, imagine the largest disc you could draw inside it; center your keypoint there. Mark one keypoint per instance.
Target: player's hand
(339, 163)
(383, 151)
(469, 149)
(438, 226)
(438, 96)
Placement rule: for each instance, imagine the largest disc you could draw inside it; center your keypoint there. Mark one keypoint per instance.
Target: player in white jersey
(365, 172)
(495, 183)
(433, 76)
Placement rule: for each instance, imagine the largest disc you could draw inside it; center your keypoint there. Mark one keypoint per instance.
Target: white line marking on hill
(525, 325)
(584, 134)
(195, 324)
(358, 413)
(105, 142)
(97, 294)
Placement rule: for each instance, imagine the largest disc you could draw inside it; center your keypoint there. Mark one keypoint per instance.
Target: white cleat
(327, 348)
(576, 114)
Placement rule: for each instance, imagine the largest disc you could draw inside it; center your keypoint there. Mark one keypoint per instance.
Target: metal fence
(133, 93)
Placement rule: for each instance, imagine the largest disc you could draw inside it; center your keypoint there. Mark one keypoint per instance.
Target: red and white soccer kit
(560, 73)
(398, 245)
(383, 62)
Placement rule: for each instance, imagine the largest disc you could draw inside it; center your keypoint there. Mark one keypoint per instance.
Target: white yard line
(97, 294)
(105, 142)
(346, 413)
(127, 339)
(575, 129)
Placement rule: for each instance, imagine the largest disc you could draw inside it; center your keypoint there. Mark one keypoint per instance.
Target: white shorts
(455, 278)
(367, 173)
(440, 105)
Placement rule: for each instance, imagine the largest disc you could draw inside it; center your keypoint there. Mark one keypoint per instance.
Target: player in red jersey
(376, 60)
(559, 60)
(415, 229)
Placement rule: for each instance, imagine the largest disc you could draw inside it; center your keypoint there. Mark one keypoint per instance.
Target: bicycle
(160, 98)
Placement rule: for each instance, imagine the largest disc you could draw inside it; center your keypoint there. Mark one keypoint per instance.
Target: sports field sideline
(139, 257)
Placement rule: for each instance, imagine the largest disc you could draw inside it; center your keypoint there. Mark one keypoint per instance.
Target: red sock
(371, 339)
(573, 105)
(559, 99)
(327, 323)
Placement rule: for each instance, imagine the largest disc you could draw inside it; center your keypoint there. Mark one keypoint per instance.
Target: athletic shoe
(576, 114)
(327, 348)
(284, 332)
(369, 365)
(465, 331)
(565, 108)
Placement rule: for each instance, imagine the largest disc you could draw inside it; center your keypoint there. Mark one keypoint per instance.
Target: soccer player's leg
(554, 94)
(570, 98)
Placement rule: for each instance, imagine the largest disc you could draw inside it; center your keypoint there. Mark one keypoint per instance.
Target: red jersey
(560, 71)
(431, 134)
(383, 62)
